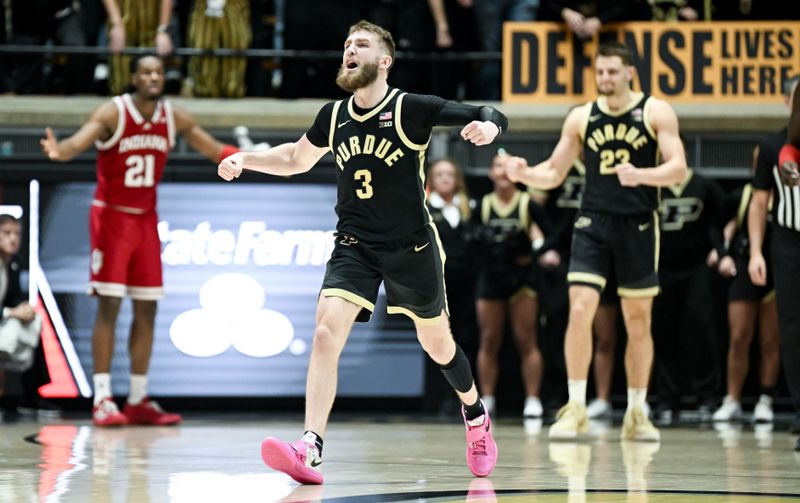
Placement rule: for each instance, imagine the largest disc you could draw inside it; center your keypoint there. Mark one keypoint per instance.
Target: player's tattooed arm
(100, 127)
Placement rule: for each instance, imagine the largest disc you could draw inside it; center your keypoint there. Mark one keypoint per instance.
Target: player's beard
(367, 74)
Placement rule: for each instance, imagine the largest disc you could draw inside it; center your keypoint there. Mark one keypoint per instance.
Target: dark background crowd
(419, 26)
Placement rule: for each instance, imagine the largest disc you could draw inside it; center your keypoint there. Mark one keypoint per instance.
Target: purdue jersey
(612, 138)
(380, 172)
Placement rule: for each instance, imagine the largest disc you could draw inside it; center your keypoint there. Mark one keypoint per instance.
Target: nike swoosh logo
(644, 226)
(343, 123)
(420, 248)
(315, 463)
(595, 117)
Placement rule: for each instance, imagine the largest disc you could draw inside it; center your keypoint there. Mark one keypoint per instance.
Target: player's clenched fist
(231, 166)
(480, 132)
(515, 166)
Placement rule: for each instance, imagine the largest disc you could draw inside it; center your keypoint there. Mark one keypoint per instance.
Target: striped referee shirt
(785, 211)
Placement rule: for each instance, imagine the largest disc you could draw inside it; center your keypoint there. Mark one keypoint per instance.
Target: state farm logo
(252, 243)
(232, 313)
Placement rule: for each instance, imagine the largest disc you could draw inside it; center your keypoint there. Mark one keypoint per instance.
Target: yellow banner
(701, 62)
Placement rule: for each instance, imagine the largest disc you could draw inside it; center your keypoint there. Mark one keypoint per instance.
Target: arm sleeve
(319, 131)
(541, 219)
(714, 200)
(422, 112)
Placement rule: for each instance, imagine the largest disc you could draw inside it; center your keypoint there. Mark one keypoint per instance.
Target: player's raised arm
(283, 160)
(100, 126)
(551, 172)
(673, 169)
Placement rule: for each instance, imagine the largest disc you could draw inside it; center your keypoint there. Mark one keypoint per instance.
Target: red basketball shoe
(149, 412)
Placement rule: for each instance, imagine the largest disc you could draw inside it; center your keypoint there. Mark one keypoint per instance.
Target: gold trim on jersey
(332, 128)
(503, 212)
(443, 256)
(657, 230)
(525, 291)
(398, 125)
(602, 104)
(376, 109)
(646, 109)
(769, 297)
(678, 188)
(586, 277)
(747, 193)
(579, 167)
(524, 214)
(587, 113)
(638, 293)
(350, 297)
(415, 317)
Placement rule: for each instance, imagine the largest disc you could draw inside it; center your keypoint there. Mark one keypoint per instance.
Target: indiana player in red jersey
(133, 134)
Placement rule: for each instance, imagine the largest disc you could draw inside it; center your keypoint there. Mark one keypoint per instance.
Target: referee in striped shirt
(778, 178)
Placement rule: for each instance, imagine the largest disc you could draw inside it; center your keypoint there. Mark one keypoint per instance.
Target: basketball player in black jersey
(620, 135)
(378, 138)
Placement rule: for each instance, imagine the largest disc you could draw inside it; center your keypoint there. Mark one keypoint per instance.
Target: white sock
(636, 397)
(577, 390)
(138, 389)
(102, 387)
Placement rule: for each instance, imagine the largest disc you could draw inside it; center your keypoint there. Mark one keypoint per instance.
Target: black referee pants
(786, 271)
(685, 357)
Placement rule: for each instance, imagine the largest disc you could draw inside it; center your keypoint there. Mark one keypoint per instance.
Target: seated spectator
(19, 322)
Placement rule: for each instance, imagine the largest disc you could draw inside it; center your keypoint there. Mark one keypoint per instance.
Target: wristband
(227, 150)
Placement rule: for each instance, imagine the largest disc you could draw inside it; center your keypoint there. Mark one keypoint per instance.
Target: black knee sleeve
(458, 372)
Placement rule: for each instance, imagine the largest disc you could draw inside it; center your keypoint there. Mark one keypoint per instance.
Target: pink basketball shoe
(481, 448)
(298, 459)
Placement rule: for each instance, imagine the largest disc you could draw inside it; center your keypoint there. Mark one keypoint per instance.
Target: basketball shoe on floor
(730, 410)
(572, 420)
(149, 412)
(599, 409)
(298, 460)
(763, 411)
(637, 426)
(106, 413)
(481, 447)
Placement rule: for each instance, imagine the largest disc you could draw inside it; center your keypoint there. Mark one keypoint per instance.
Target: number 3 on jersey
(608, 158)
(141, 171)
(365, 177)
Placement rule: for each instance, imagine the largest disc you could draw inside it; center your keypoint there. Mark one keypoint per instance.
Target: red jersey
(131, 162)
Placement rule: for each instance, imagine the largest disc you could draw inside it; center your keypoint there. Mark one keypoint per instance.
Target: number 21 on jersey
(140, 171)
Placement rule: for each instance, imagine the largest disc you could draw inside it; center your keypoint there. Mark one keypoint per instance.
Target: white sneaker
(730, 410)
(763, 411)
(488, 404)
(599, 408)
(533, 407)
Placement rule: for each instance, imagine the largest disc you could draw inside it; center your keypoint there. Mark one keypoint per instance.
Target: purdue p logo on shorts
(583, 222)
(348, 240)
